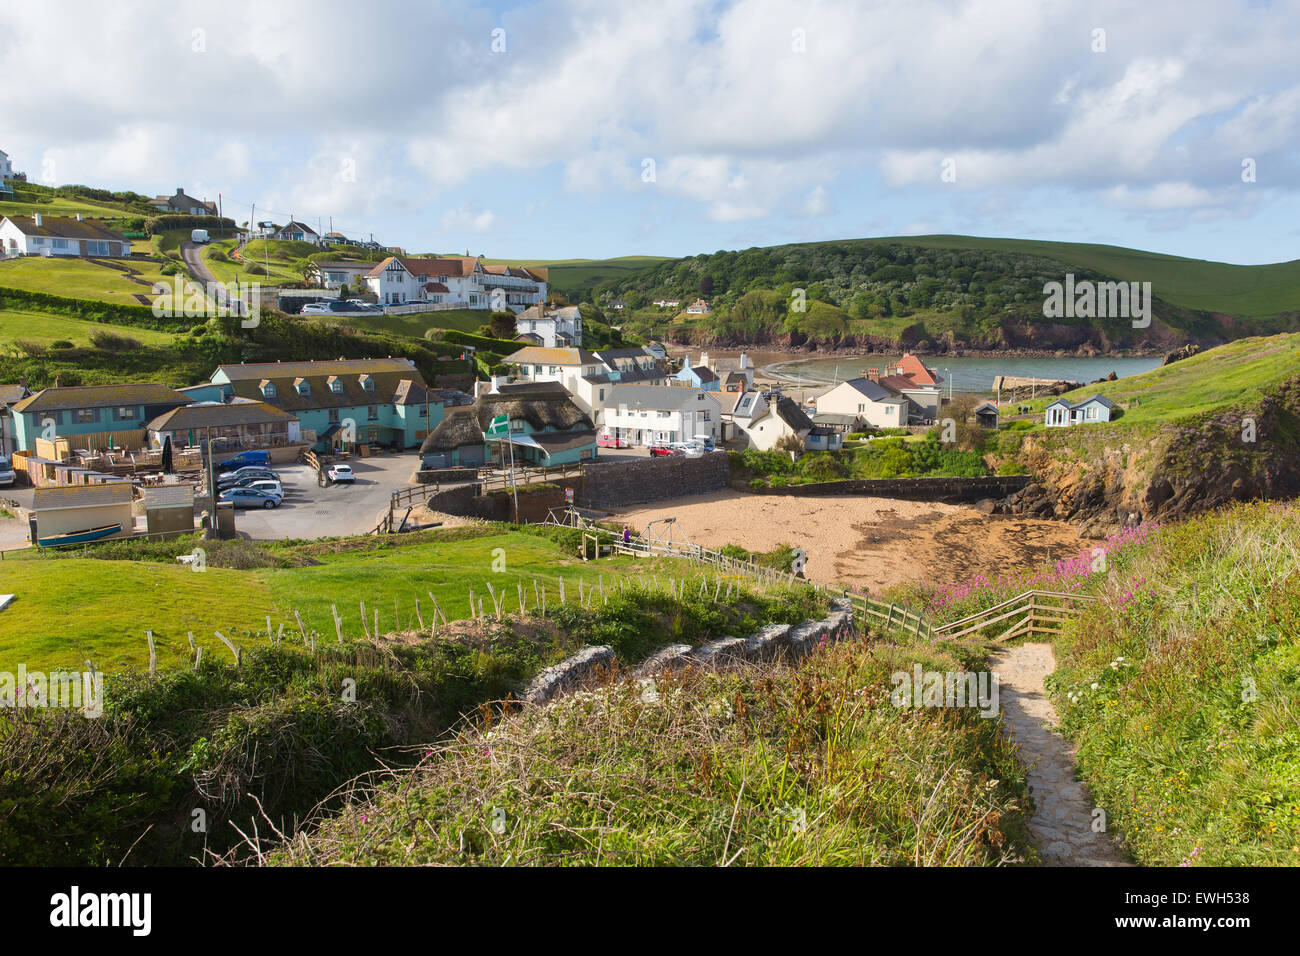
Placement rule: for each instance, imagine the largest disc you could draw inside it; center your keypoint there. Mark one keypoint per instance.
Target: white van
(199, 235)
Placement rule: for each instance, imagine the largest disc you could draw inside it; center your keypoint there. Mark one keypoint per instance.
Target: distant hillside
(576, 278)
(934, 293)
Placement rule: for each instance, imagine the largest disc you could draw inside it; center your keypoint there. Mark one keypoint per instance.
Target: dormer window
(268, 389)
(304, 388)
(367, 383)
(336, 385)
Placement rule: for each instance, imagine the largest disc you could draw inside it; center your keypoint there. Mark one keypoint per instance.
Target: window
(334, 416)
(304, 388)
(85, 415)
(424, 411)
(96, 248)
(125, 414)
(336, 387)
(704, 415)
(59, 243)
(555, 370)
(602, 394)
(268, 390)
(372, 413)
(368, 383)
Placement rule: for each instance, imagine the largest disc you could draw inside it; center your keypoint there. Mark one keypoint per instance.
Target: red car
(663, 450)
(609, 441)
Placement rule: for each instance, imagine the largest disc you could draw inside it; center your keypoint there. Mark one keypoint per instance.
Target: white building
(183, 205)
(550, 328)
(775, 422)
(870, 403)
(659, 413)
(41, 235)
(459, 281)
(588, 376)
(298, 232)
(1062, 413)
(6, 167)
(331, 274)
(698, 307)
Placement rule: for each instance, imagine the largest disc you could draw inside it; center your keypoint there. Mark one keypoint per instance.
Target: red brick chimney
(873, 374)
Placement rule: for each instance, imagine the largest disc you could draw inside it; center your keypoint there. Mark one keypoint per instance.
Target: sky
(554, 129)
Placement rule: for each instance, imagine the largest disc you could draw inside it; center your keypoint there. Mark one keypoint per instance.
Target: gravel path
(1061, 827)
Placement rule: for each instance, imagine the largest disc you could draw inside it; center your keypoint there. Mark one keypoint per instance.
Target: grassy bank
(790, 765)
(1182, 692)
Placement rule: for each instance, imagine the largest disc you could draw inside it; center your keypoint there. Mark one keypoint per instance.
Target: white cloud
(468, 218)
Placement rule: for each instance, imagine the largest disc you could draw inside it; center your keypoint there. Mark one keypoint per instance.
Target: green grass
(415, 324)
(236, 270)
(65, 206)
(1254, 291)
(47, 327)
(83, 279)
(807, 765)
(570, 275)
(1236, 374)
(1182, 692)
(70, 608)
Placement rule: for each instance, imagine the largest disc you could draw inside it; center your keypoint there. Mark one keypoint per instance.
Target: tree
(502, 325)
(706, 285)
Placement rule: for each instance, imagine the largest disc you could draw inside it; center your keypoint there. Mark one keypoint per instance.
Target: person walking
(627, 535)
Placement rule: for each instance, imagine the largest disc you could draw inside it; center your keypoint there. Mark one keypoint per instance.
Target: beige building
(869, 402)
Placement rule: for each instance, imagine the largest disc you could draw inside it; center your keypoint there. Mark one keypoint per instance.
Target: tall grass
(1182, 691)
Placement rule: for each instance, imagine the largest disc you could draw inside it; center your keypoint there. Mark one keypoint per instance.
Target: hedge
(503, 346)
(110, 313)
(158, 224)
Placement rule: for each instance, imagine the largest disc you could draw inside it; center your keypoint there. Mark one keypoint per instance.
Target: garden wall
(913, 489)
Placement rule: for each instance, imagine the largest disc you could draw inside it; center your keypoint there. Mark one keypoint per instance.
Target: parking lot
(310, 511)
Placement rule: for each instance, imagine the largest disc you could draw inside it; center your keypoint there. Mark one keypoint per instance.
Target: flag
(500, 425)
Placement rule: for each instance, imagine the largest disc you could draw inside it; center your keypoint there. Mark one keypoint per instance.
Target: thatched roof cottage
(546, 428)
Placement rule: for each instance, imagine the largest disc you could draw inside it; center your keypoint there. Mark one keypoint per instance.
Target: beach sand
(871, 542)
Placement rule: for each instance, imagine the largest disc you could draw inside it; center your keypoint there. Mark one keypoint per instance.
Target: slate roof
(218, 415)
(660, 397)
(789, 412)
(873, 391)
(278, 370)
(100, 396)
(61, 227)
(1073, 405)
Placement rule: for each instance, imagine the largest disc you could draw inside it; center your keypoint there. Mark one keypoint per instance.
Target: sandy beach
(871, 542)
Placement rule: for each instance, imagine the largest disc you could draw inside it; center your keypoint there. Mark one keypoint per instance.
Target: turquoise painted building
(384, 400)
(546, 429)
(91, 410)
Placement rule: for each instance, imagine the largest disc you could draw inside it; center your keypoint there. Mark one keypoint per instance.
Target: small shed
(986, 415)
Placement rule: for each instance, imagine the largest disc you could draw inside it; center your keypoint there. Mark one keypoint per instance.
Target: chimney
(496, 384)
(38, 219)
(744, 360)
(873, 374)
(179, 191)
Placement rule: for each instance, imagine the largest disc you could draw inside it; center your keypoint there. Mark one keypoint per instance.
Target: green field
(568, 275)
(47, 327)
(414, 324)
(84, 279)
(1255, 291)
(69, 609)
(65, 206)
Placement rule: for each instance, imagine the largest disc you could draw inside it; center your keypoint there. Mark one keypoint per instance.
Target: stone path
(1061, 827)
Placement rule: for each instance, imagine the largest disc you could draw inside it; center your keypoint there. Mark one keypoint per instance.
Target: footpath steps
(1062, 825)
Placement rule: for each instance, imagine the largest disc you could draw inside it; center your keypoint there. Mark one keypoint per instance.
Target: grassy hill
(932, 293)
(1248, 291)
(45, 328)
(576, 277)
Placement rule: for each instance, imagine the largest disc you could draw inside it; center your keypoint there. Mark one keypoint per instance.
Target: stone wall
(913, 489)
(594, 664)
(613, 483)
(433, 476)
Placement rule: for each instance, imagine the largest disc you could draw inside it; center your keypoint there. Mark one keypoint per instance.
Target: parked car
(269, 485)
(706, 441)
(258, 457)
(663, 450)
(6, 471)
(250, 498)
(334, 306)
(341, 474)
(611, 441)
(689, 448)
(247, 471)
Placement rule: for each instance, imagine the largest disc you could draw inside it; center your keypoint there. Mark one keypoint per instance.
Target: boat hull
(78, 537)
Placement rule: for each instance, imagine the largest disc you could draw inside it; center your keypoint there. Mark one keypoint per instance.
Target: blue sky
(575, 129)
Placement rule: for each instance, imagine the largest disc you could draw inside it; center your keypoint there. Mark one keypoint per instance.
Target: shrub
(62, 344)
(113, 342)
